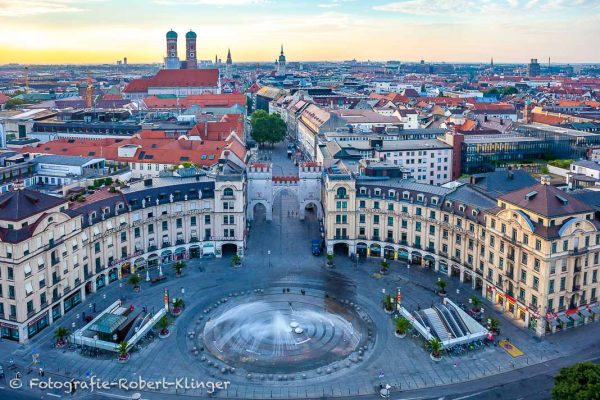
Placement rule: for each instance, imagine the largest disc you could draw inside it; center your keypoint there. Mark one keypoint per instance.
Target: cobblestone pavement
(402, 363)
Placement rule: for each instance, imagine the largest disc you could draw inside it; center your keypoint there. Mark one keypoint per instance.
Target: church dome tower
(171, 59)
(191, 61)
(281, 63)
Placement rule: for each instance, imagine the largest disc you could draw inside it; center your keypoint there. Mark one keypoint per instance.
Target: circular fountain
(273, 333)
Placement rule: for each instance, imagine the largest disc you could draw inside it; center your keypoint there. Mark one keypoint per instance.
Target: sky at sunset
(94, 31)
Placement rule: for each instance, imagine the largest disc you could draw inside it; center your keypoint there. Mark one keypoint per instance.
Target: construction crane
(89, 92)
(26, 79)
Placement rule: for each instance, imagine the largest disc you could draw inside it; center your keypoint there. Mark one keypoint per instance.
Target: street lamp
(457, 293)
(269, 253)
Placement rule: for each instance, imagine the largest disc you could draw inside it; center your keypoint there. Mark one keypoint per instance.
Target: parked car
(316, 247)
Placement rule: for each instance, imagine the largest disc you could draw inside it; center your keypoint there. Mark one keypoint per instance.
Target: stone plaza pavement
(401, 363)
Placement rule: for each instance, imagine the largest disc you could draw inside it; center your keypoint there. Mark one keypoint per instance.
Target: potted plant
(475, 304)
(435, 345)
(134, 280)
(236, 261)
(441, 284)
(178, 267)
(494, 326)
(388, 303)
(384, 267)
(178, 305)
(123, 353)
(61, 334)
(329, 259)
(163, 325)
(402, 325)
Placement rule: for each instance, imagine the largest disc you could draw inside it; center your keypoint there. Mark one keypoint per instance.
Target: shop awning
(584, 312)
(552, 321)
(563, 318)
(595, 309)
(575, 317)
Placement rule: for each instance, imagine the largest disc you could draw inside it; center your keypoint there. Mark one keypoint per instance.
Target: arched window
(228, 192)
(341, 192)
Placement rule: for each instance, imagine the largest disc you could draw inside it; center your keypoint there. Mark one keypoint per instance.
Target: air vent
(531, 195)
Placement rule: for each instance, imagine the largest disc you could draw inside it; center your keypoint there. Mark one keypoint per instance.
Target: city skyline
(102, 31)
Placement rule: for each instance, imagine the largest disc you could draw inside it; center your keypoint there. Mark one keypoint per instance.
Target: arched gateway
(264, 188)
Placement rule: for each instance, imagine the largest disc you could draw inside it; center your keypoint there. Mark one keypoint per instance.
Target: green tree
(267, 128)
(510, 90)
(13, 103)
(402, 325)
(577, 382)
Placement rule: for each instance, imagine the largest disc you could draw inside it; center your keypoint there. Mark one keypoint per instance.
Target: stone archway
(258, 208)
(311, 206)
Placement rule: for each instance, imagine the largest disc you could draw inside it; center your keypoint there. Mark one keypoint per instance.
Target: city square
(235, 326)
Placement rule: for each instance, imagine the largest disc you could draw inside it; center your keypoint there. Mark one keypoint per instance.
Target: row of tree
(267, 128)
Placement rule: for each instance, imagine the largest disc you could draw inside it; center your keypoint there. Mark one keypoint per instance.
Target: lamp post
(269, 253)
(457, 293)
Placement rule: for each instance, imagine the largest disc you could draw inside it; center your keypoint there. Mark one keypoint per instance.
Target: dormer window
(377, 192)
(391, 193)
(406, 195)
(106, 210)
(420, 198)
(434, 200)
(341, 193)
(474, 212)
(363, 190)
(448, 204)
(461, 208)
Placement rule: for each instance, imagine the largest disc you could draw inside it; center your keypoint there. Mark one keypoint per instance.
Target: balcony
(578, 268)
(430, 249)
(417, 246)
(577, 251)
(377, 238)
(166, 244)
(389, 239)
(12, 317)
(179, 241)
(55, 280)
(576, 288)
(152, 248)
(99, 268)
(364, 237)
(403, 243)
(56, 298)
(510, 274)
(345, 197)
(66, 290)
(340, 237)
(54, 261)
(457, 259)
(194, 240)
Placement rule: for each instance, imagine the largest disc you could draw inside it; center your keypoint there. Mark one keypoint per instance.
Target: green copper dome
(190, 35)
(171, 35)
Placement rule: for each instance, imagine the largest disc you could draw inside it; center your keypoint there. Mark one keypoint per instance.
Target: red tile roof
(154, 147)
(202, 100)
(176, 78)
(219, 130)
(3, 98)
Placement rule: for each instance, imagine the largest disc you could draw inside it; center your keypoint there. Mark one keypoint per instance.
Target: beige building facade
(533, 253)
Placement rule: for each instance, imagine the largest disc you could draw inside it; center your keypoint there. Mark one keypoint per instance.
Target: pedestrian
(41, 372)
(283, 290)
(93, 307)
(290, 303)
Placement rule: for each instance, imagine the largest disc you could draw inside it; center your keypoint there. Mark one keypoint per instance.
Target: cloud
(19, 8)
(479, 8)
(210, 2)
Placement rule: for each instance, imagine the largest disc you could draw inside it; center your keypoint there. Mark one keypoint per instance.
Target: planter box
(166, 335)
(436, 359)
(400, 335)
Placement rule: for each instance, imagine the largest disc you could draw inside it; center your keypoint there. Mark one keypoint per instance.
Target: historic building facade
(54, 253)
(534, 252)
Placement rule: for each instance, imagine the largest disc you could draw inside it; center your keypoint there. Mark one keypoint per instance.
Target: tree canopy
(267, 128)
(577, 382)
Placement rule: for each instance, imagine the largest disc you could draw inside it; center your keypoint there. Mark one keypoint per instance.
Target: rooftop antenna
(26, 79)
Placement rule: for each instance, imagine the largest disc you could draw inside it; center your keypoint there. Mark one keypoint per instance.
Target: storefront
(180, 254)
(34, 327)
(375, 250)
(100, 282)
(72, 301)
(489, 292)
(208, 249)
(113, 275)
(195, 251)
(511, 304)
(153, 260)
(166, 257)
(443, 267)
(388, 252)
(56, 313)
(361, 249)
(402, 254)
(9, 331)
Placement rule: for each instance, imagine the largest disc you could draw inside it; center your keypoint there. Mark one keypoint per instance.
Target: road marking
(54, 395)
(471, 395)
